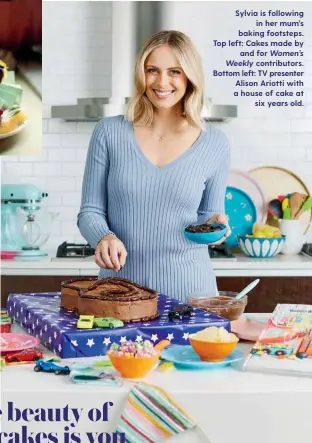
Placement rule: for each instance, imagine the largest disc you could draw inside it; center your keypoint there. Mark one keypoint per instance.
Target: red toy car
(26, 355)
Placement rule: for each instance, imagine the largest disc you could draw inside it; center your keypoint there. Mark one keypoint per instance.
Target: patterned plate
(16, 131)
(242, 214)
(17, 342)
(184, 357)
(243, 180)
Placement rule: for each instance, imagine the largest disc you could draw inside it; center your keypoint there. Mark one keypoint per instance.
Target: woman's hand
(110, 253)
(223, 220)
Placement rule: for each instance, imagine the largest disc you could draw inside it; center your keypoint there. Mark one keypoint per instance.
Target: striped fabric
(151, 415)
(147, 207)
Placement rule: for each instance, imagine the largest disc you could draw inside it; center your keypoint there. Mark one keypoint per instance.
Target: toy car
(108, 322)
(48, 366)
(26, 355)
(85, 322)
(180, 311)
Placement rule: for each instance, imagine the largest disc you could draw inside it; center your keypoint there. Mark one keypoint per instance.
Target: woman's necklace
(159, 137)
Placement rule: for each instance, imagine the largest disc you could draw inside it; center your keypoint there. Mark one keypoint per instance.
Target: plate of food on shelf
(12, 122)
(13, 118)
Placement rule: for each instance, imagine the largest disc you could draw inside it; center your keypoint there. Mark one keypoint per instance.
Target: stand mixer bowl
(35, 229)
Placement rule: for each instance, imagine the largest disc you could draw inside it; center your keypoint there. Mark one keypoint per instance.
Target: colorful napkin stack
(151, 416)
(81, 373)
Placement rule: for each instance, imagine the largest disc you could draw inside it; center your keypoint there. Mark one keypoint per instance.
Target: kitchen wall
(77, 41)
(77, 57)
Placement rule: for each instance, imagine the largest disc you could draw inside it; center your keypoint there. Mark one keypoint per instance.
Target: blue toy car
(48, 366)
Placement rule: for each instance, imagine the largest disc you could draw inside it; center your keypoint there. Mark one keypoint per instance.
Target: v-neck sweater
(147, 207)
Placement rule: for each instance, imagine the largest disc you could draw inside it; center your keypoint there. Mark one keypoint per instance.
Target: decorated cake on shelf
(110, 297)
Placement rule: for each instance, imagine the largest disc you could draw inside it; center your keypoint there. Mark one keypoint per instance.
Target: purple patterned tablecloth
(41, 316)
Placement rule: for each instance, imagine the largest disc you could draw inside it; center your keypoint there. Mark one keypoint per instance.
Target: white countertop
(228, 404)
(279, 266)
(231, 379)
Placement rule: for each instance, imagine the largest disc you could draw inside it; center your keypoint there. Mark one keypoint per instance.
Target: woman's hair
(140, 110)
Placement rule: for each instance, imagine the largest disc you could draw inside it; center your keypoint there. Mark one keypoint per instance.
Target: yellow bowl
(212, 351)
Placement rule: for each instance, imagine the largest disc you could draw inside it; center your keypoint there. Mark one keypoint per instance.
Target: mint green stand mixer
(25, 227)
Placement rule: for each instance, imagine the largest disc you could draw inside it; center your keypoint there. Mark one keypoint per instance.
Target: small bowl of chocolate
(224, 305)
(205, 233)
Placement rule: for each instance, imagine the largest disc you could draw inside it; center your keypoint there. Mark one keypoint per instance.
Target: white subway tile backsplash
(44, 126)
(13, 172)
(63, 184)
(81, 154)
(56, 228)
(28, 159)
(301, 125)
(76, 140)
(46, 111)
(47, 170)
(72, 170)
(308, 81)
(61, 127)
(69, 228)
(55, 199)
(51, 141)
(85, 128)
(72, 199)
(302, 140)
(66, 213)
(309, 112)
(78, 184)
(61, 154)
(285, 154)
(41, 182)
(308, 96)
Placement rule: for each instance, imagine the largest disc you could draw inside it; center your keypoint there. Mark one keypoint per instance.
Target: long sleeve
(214, 193)
(92, 217)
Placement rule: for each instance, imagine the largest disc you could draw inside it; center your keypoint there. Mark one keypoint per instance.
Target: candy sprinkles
(133, 349)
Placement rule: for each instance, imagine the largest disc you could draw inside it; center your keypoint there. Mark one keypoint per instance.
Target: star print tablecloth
(41, 316)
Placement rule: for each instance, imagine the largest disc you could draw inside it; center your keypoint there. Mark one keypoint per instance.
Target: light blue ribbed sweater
(147, 207)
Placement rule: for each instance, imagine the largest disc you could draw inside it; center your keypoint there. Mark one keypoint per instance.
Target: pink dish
(8, 255)
(247, 329)
(17, 342)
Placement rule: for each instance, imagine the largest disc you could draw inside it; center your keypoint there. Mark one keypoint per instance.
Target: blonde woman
(153, 172)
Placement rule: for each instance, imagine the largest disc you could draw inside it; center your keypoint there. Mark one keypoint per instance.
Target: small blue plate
(206, 238)
(241, 212)
(185, 357)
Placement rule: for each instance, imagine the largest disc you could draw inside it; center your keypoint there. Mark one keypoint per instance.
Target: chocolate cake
(119, 298)
(70, 291)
